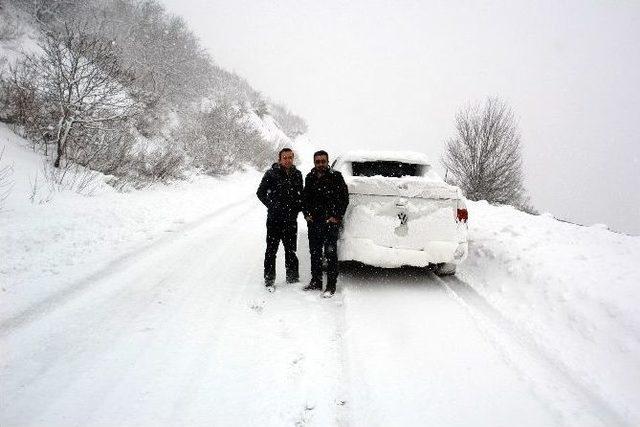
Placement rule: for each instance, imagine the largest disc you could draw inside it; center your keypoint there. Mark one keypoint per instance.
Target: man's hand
(333, 220)
(309, 218)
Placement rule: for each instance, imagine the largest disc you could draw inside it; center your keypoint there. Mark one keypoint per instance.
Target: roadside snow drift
(573, 289)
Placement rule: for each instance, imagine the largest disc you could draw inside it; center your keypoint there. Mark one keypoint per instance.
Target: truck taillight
(463, 215)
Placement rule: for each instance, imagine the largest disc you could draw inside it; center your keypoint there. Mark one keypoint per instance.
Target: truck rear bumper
(367, 252)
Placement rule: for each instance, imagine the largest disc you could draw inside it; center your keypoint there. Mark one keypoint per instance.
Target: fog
(391, 75)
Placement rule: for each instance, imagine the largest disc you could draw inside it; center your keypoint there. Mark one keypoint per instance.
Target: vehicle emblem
(402, 216)
(403, 228)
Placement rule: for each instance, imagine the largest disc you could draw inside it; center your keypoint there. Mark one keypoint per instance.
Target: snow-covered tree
(220, 141)
(291, 125)
(76, 89)
(47, 11)
(484, 158)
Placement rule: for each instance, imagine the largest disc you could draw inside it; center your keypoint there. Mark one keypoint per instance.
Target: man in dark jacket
(281, 192)
(325, 200)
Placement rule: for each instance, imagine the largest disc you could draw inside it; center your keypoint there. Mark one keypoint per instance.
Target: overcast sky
(392, 74)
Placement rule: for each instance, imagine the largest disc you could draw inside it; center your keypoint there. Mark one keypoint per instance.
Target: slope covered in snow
(52, 235)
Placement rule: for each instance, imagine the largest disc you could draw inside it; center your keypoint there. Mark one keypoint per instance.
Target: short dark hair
(284, 150)
(321, 153)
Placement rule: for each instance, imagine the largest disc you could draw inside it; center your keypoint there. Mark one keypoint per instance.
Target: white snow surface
(148, 308)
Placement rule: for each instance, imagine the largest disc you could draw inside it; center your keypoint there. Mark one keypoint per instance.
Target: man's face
(286, 159)
(321, 163)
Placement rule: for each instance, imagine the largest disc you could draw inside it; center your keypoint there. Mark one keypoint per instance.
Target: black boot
(331, 289)
(268, 283)
(328, 293)
(314, 285)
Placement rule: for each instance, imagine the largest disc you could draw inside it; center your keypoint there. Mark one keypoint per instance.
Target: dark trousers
(323, 238)
(287, 232)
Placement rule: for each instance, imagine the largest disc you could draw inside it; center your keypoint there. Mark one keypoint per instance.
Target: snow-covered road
(181, 332)
(455, 360)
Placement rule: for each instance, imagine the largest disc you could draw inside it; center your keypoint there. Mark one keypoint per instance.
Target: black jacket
(325, 196)
(281, 193)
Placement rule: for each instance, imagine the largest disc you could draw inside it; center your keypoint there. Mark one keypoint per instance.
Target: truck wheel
(445, 269)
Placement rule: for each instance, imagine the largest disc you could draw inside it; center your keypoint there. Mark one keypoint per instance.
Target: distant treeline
(125, 88)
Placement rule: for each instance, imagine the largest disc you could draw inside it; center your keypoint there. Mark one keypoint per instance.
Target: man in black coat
(281, 192)
(325, 200)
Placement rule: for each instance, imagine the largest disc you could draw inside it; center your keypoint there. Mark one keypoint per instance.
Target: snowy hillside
(148, 308)
(163, 106)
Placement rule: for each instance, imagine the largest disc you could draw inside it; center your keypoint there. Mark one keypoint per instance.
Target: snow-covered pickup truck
(401, 212)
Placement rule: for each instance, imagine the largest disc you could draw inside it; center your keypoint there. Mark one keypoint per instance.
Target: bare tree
(78, 88)
(484, 158)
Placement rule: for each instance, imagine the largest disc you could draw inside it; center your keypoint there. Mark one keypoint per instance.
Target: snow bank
(573, 289)
(25, 165)
(62, 236)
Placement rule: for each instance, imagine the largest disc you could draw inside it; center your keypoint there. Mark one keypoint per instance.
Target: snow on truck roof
(394, 156)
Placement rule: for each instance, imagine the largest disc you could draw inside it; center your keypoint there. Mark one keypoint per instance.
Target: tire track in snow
(50, 303)
(343, 401)
(182, 411)
(520, 348)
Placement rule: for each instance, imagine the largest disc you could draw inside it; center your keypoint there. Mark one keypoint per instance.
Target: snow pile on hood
(392, 156)
(574, 289)
(406, 186)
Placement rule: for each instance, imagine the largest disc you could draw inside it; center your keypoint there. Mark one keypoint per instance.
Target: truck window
(386, 168)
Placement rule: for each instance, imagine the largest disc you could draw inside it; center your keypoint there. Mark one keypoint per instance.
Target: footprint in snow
(305, 416)
(258, 307)
(298, 359)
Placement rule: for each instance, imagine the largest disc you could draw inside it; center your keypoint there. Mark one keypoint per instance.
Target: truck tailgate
(407, 212)
(399, 222)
